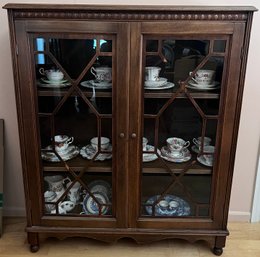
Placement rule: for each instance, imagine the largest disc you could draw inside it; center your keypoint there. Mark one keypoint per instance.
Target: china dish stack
(153, 81)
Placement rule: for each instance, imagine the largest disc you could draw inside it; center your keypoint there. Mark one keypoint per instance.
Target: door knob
(133, 135)
(122, 135)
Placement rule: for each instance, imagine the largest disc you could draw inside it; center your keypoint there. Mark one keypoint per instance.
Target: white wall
(249, 133)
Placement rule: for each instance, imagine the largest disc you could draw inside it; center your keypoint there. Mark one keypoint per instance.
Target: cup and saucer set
(63, 147)
(176, 150)
(203, 80)
(149, 157)
(207, 158)
(153, 81)
(103, 78)
(90, 150)
(54, 78)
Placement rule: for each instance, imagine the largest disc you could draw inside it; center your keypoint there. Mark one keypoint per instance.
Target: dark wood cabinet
(128, 118)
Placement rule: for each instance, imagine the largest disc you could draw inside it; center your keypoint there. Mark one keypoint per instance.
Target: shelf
(63, 91)
(167, 93)
(79, 164)
(156, 167)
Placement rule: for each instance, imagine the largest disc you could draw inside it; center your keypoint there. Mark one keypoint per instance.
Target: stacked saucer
(46, 83)
(158, 84)
(96, 84)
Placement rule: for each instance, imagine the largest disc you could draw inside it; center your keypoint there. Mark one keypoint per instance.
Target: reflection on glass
(179, 126)
(75, 121)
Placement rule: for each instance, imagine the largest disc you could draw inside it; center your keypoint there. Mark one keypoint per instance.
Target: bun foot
(34, 248)
(217, 251)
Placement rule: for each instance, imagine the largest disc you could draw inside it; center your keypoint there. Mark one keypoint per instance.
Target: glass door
(183, 80)
(76, 84)
(185, 94)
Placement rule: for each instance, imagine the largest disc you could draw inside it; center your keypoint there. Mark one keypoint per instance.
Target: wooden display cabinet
(151, 181)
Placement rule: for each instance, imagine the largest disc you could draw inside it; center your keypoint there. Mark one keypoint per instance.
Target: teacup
(173, 205)
(152, 73)
(176, 146)
(56, 183)
(102, 73)
(198, 141)
(208, 154)
(203, 77)
(62, 142)
(53, 75)
(163, 204)
(74, 192)
(145, 141)
(50, 196)
(104, 142)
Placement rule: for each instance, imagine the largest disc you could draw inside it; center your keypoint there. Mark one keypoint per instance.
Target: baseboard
(14, 212)
(239, 216)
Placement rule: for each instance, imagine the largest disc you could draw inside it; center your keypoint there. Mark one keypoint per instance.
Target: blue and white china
(166, 85)
(89, 152)
(96, 84)
(169, 205)
(100, 186)
(91, 205)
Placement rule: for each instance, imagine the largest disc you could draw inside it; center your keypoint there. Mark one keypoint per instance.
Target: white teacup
(53, 75)
(102, 73)
(163, 204)
(152, 73)
(74, 192)
(198, 141)
(56, 183)
(62, 142)
(209, 154)
(173, 205)
(203, 77)
(104, 142)
(145, 141)
(176, 145)
(50, 196)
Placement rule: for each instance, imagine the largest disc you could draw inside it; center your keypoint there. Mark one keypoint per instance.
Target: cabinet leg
(220, 242)
(217, 251)
(33, 240)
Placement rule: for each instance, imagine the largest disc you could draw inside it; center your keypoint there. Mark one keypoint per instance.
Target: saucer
(194, 85)
(156, 83)
(203, 161)
(167, 85)
(91, 207)
(96, 84)
(56, 82)
(149, 157)
(52, 85)
(183, 208)
(72, 152)
(100, 186)
(89, 152)
(165, 154)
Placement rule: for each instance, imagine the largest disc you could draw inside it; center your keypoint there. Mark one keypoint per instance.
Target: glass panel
(74, 87)
(182, 88)
(219, 46)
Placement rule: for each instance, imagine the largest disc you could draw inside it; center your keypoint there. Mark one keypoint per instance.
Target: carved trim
(130, 15)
